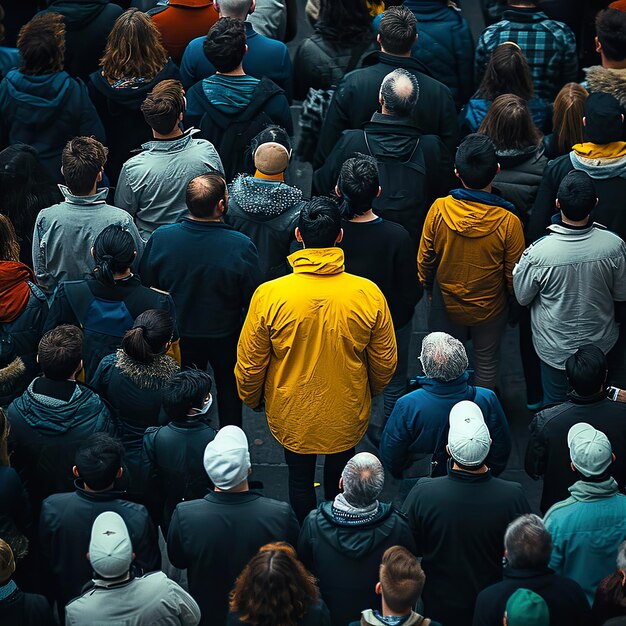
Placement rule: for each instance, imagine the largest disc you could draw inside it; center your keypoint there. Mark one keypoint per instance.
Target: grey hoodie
(65, 233)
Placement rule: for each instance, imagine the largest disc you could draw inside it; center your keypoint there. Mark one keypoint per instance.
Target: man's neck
(387, 612)
(483, 469)
(523, 5)
(578, 224)
(175, 133)
(243, 487)
(368, 216)
(204, 219)
(486, 189)
(88, 489)
(610, 64)
(122, 275)
(404, 55)
(238, 71)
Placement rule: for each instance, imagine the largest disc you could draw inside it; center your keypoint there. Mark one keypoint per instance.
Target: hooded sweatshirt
(470, 243)
(45, 112)
(14, 290)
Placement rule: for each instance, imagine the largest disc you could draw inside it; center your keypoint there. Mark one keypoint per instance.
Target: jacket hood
(77, 13)
(607, 80)
(131, 97)
(355, 540)
(97, 198)
(472, 213)
(14, 289)
(37, 95)
(509, 159)
(600, 161)
(430, 10)
(56, 417)
(584, 491)
(391, 136)
(264, 197)
(369, 619)
(441, 388)
(321, 261)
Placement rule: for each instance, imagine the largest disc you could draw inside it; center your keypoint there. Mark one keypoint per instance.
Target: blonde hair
(567, 118)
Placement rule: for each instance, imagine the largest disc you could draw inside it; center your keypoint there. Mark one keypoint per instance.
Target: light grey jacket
(65, 232)
(151, 600)
(152, 184)
(570, 279)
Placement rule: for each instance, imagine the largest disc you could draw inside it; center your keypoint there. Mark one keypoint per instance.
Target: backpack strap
(79, 297)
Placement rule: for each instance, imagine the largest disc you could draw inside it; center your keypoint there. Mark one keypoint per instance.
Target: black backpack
(404, 186)
(231, 134)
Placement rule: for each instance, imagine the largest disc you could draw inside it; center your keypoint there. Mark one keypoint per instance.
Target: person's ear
(99, 177)
(378, 589)
(584, 121)
(134, 254)
(87, 555)
(92, 254)
(378, 39)
(622, 118)
(613, 456)
(62, 174)
(448, 450)
(557, 204)
(252, 8)
(246, 48)
(37, 358)
(337, 192)
(498, 170)
(75, 471)
(456, 173)
(120, 472)
(339, 236)
(340, 483)
(380, 190)
(571, 466)
(180, 116)
(133, 556)
(598, 45)
(298, 235)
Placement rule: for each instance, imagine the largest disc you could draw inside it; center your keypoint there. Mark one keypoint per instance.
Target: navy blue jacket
(265, 57)
(445, 45)
(209, 269)
(419, 423)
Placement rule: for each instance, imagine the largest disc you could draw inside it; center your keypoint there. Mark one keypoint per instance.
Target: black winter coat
(356, 100)
(547, 453)
(215, 537)
(65, 532)
(119, 110)
(458, 522)
(25, 609)
(345, 557)
(566, 600)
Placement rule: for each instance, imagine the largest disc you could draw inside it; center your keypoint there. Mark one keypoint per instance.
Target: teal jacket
(587, 528)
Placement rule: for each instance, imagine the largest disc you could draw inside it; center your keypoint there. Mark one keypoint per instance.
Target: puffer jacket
(46, 432)
(45, 112)
(153, 184)
(316, 345)
(445, 45)
(418, 426)
(267, 211)
(470, 244)
(570, 279)
(345, 556)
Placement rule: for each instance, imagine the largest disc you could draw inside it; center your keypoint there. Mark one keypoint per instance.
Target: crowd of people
(159, 248)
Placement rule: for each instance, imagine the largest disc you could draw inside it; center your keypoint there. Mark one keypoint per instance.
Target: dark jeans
(221, 353)
(397, 387)
(302, 475)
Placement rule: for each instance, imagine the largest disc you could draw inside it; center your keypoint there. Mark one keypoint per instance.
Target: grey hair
(527, 542)
(363, 479)
(234, 8)
(621, 556)
(399, 92)
(443, 357)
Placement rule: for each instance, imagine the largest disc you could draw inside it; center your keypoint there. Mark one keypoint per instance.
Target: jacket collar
(97, 198)
(250, 32)
(319, 261)
(408, 63)
(384, 122)
(525, 15)
(584, 491)
(100, 496)
(563, 229)
(171, 145)
(512, 572)
(583, 400)
(467, 477)
(482, 197)
(441, 388)
(223, 497)
(188, 222)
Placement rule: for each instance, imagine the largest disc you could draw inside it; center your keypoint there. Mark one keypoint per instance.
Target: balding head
(362, 479)
(239, 9)
(206, 195)
(399, 92)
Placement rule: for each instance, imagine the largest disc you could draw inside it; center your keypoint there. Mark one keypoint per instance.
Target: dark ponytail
(149, 335)
(114, 251)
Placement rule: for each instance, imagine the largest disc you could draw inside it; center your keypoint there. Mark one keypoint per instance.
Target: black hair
(358, 184)
(398, 29)
(98, 460)
(149, 336)
(60, 351)
(345, 21)
(476, 161)
(271, 133)
(576, 195)
(320, 222)
(611, 32)
(586, 370)
(225, 44)
(114, 251)
(185, 391)
(204, 193)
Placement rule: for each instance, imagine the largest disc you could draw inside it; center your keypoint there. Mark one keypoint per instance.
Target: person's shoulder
(272, 506)
(57, 502)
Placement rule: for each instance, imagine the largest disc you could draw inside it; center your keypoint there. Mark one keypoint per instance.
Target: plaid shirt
(549, 47)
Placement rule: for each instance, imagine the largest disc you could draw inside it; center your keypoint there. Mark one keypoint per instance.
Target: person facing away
(418, 426)
(214, 537)
(573, 279)
(400, 583)
(152, 184)
(315, 347)
(275, 588)
(526, 607)
(65, 232)
(527, 550)
(211, 270)
(469, 246)
(547, 452)
(459, 520)
(588, 527)
(342, 541)
(66, 518)
(55, 414)
(171, 458)
(610, 597)
(116, 594)
(381, 251)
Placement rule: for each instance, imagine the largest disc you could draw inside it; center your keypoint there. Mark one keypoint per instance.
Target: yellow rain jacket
(472, 248)
(316, 344)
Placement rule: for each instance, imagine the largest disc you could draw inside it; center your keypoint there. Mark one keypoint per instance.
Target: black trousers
(221, 353)
(302, 474)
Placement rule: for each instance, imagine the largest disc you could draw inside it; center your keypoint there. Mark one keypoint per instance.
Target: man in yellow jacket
(316, 346)
(470, 244)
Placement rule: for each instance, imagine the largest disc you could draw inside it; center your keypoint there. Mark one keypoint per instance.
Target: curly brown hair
(134, 48)
(9, 246)
(41, 43)
(274, 589)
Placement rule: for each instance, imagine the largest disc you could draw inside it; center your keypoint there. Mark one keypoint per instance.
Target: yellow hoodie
(316, 345)
(471, 247)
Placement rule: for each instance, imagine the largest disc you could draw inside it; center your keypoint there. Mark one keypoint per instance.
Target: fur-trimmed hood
(146, 376)
(607, 80)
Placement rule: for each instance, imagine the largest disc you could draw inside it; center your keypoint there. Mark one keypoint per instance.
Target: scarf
(348, 513)
(613, 150)
(14, 290)
(7, 589)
